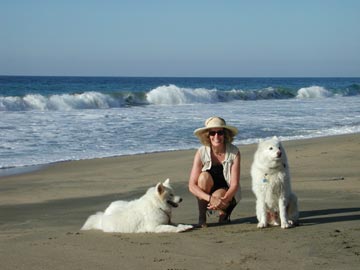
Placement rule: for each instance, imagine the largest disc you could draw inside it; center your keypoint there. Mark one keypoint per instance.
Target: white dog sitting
(150, 213)
(271, 186)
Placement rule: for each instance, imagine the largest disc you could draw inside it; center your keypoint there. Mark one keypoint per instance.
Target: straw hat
(215, 122)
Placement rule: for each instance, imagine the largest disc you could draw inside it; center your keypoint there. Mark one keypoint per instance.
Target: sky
(184, 38)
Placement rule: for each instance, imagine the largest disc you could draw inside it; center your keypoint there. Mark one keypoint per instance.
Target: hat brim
(200, 131)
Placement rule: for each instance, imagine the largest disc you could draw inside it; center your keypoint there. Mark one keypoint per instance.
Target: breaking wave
(87, 100)
(313, 92)
(162, 95)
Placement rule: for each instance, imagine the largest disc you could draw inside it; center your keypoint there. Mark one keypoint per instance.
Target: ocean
(51, 119)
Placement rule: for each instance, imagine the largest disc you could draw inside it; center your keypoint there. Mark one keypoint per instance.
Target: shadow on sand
(329, 215)
(313, 217)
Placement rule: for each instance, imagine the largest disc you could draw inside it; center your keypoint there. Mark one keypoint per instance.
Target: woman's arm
(194, 176)
(234, 179)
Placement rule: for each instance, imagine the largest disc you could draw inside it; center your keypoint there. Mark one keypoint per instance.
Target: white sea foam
(34, 137)
(173, 95)
(87, 100)
(313, 92)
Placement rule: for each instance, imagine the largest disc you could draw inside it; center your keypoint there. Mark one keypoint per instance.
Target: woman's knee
(219, 192)
(205, 181)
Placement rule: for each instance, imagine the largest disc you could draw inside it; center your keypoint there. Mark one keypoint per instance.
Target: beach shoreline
(18, 170)
(42, 211)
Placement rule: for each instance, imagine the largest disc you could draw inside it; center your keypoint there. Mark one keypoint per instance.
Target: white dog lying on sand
(271, 186)
(150, 213)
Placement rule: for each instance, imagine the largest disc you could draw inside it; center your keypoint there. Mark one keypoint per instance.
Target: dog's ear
(160, 188)
(167, 182)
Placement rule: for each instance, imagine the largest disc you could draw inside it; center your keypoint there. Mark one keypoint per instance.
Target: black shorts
(216, 172)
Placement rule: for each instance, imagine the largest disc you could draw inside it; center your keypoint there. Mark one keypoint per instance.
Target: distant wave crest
(173, 95)
(313, 92)
(87, 100)
(162, 95)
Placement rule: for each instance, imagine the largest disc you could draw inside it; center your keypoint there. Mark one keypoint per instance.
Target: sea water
(51, 119)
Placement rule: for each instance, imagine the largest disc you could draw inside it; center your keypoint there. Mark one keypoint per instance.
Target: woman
(215, 174)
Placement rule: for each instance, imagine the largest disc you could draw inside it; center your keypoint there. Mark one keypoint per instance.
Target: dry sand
(41, 213)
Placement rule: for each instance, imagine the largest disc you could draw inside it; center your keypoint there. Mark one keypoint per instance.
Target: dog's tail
(94, 222)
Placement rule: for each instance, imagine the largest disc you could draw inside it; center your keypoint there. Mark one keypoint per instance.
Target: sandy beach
(41, 213)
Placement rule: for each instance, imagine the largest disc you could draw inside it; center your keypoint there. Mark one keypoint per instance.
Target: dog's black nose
(180, 200)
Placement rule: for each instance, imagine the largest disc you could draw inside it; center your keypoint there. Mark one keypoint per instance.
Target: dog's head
(270, 151)
(166, 194)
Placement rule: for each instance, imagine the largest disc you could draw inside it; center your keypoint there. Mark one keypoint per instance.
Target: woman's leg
(205, 182)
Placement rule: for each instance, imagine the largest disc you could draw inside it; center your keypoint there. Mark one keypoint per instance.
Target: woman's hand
(217, 203)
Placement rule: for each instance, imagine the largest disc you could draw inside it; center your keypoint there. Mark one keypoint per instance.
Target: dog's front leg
(261, 213)
(283, 213)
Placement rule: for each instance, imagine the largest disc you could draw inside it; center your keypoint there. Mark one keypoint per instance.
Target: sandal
(224, 216)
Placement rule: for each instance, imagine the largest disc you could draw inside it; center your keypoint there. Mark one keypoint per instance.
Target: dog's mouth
(174, 204)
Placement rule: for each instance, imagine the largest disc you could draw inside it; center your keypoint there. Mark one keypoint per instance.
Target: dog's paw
(184, 228)
(262, 225)
(286, 224)
(293, 223)
(274, 223)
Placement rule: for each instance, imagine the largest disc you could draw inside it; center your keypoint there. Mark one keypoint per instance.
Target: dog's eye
(270, 148)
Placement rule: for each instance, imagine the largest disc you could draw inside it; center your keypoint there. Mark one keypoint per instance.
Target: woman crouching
(215, 174)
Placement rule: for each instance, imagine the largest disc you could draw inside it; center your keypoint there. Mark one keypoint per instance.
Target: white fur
(150, 213)
(271, 186)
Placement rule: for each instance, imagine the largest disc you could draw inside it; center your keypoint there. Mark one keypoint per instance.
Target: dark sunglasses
(219, 133)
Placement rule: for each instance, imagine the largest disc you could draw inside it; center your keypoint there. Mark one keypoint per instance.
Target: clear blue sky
(180, 38)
